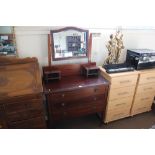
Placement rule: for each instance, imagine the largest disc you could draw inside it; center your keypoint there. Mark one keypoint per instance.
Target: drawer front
(77, 94)
(143, 99)
(142, 89)
(120, 104)
(24, 110)
(35, 123)
(116, 114)
(138, 110)
(124, 81)
(119, 93)
(147, 78)
(79, 102)
(80, 111)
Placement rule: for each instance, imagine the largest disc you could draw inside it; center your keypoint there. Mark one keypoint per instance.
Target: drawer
(138, 110)
(23, 105)
(120, 103)
(124, 81)
(117, 94)
(24, 110)
(92, 100)
(112, 115)
(147, 78)
(35, 123)
(81, 110)
(143, 99)
(146, 88)
(76, 94)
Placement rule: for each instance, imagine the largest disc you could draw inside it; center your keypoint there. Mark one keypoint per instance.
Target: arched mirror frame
(51, 44)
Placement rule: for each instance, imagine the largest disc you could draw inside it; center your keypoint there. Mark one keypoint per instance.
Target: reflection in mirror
(7, 41)
(69, 42)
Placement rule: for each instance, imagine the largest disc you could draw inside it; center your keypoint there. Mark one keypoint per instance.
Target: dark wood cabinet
(75, 95)
(21, 99)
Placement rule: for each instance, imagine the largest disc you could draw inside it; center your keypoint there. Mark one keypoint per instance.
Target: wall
(33, 42)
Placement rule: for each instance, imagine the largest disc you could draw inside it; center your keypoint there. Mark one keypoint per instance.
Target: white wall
(33, 42)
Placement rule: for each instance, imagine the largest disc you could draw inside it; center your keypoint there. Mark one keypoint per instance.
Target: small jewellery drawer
(116, 114)
(143, 99)
(120, 103)
(121, 92)
(77, 94)
(140, 109)
(147, 78)
(143, 89)
(124, 81)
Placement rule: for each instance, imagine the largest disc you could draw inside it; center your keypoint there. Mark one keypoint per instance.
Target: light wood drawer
(143, 99)
(120, 103)
(119, 93)
(146, 88)
(124, 81)
(139, 110)
(147, 78)
(116, 114)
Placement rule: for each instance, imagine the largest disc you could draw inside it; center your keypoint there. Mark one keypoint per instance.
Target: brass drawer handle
(123, 93)
(119, 104)
(125, 81)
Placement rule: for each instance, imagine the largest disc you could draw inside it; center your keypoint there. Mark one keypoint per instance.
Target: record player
(141, 58)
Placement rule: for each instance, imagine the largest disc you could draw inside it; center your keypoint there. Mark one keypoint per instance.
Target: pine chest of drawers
(75, 96)
(121, 93)
(145, 92)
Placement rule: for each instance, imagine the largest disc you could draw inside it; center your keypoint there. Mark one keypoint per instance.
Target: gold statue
(114, 46)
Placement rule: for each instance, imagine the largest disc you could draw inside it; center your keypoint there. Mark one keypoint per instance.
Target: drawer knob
(63, 104)
(96, 89)
(95, 98)
(63, 95)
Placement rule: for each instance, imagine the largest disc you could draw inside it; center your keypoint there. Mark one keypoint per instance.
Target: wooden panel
(143, 99)
(124, 81)
(21, 79)
(116, 114)
(115, 94)
(77, 94)
(147, 78)
(140, 109)
(2, 118)
(35, 123)
(67, 69)
(120, 103)
(146, 88)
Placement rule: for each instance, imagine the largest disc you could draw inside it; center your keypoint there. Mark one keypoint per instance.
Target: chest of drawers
(121, 93)
(145, 92)
(75, 96)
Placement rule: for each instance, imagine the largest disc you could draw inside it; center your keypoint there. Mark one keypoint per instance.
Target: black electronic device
(116, 68)
(141, 58)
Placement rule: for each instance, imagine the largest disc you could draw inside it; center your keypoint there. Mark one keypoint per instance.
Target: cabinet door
(2, 118)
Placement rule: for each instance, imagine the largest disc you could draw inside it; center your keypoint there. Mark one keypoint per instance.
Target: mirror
(69, 42)
(7, 41)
